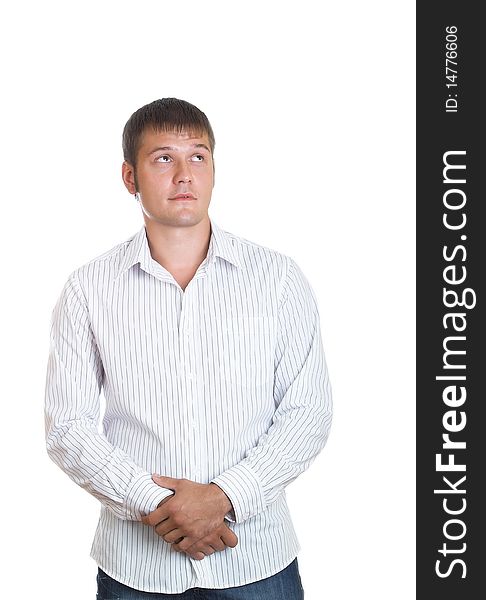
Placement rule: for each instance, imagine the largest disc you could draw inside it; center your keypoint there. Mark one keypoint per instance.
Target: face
(174, 178)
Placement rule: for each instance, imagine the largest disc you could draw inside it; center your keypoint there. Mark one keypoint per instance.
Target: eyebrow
(176, 149)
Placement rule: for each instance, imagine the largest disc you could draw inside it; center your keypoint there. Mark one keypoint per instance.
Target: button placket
(188, 376)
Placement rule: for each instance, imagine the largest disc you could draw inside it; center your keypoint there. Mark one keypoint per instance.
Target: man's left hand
(193, 512)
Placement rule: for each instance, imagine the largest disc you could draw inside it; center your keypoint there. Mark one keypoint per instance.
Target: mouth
(183, 197)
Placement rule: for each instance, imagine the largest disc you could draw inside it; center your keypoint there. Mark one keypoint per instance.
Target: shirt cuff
(143, 496)
(244, 491)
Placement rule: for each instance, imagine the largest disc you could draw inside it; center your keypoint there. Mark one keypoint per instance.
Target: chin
(186, 220)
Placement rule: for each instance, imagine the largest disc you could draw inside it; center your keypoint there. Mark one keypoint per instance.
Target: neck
(178, 248)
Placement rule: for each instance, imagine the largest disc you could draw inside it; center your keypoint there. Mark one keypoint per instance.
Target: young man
(209, 352)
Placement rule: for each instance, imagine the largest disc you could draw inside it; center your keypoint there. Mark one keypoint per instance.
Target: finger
(174, 545)
(151, 519)
(165, 527)
(204, 549)
(165, 500)
(216, 542)
(173, 536)
(197, 555)
(229, 538)
(211, 543)
(185, 544)
(156, 516)
(200, 549)
(168, 482)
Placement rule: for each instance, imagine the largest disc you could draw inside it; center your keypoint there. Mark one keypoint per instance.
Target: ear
(128, 176)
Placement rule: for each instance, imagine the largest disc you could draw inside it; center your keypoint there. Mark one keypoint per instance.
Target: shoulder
(101, 268)
(275, 269)
(253, 255)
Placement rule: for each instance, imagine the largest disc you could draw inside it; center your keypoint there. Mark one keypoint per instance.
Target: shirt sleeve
(303, 401)
(74, 380)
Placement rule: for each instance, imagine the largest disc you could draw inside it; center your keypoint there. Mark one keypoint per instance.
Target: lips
(183, 197)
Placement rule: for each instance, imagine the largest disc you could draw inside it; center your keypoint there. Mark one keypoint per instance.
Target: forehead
(151, 138)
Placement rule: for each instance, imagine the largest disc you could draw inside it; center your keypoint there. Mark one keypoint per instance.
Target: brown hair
(165, 114)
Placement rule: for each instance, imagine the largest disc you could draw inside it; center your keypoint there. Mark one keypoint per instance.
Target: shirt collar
(221, 245)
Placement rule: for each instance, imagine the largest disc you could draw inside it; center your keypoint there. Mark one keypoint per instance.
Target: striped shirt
(224, 381)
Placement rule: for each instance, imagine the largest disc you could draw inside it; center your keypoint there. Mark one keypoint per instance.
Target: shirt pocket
(245, 351)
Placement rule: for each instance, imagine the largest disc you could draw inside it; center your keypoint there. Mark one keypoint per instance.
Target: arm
(303, 402)
(74, 379)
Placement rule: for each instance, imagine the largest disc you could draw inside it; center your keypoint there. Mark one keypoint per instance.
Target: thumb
(168, 482)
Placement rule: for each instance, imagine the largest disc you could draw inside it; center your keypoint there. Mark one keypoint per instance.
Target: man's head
(168, 150)
(167, 115)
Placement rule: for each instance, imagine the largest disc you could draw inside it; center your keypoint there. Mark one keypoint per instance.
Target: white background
(312, 104)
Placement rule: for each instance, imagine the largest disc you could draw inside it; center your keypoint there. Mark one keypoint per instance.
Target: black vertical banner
(451, 251)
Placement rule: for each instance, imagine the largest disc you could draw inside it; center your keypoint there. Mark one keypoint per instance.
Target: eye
(164, 158)
(198, 158)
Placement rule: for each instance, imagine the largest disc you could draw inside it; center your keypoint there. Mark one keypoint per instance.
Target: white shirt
(224, 381)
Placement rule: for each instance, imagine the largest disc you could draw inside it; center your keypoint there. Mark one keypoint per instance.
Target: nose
(183, 173)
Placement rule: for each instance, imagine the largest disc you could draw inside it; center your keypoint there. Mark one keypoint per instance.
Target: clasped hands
(192, 519)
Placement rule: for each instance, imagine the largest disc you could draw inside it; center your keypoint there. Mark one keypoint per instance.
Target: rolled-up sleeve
(72, 410)
(303, 400)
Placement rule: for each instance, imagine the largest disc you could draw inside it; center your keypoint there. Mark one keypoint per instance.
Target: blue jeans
(285, 585)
